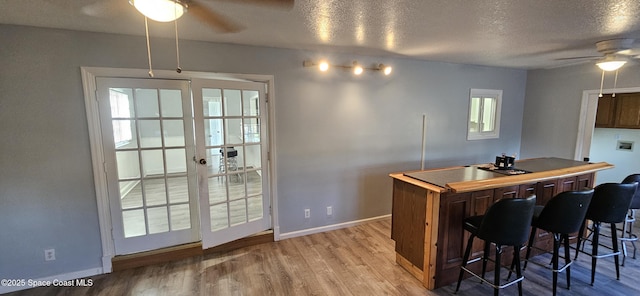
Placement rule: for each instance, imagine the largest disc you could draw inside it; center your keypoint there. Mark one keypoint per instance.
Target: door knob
(203, 161)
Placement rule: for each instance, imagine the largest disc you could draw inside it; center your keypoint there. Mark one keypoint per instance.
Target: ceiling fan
(614, 53)
(170, 10)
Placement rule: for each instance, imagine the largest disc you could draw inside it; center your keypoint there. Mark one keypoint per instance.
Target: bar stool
(609, 204)
(561, 216)
(627, 226)
(506, 223)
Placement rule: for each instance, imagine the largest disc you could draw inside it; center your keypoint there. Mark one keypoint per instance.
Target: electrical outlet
(49, 254)
(307, 213)
(329, 211)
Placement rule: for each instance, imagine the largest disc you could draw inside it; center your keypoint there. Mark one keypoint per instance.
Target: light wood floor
(358, 260)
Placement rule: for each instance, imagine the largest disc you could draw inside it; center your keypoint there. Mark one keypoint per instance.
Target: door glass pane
(233, 130)
(250, 106)
(121, 103)
(150, 133)
(128, 164)
(147, 103)
(238, 211)
(173, 132)
(232, 102)
(178, 189)
(211, 102)
(219, 217)
(171, 102)
(230, 160)
(236, 186)
(254, 183)
(176, 161)
(180, 217)
(217, 189)
(155, 192)
(124, 134)
(252, 130)
(134, 223)
(130, 194)
(214, 159)
(252, 157)
(158, 220)
(213, 132)
(152, 162)
(255, 207)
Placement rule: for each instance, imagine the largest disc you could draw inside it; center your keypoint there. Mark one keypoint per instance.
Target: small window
(484, 114)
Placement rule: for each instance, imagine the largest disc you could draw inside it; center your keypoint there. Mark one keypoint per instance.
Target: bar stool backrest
(507, 221)
(635, 202)
(611, 202)
(565, 212)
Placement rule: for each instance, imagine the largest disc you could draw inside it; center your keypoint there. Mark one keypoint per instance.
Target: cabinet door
(452, 237)
(584, 181)
(627, 111)
(545, 191)
(526, 190)
(567, 184)
(506, 192)
(605, 113)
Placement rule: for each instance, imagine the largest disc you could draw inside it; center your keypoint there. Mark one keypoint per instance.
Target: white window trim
(483, 93)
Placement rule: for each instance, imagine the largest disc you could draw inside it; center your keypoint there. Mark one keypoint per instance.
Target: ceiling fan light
(323, 66)
(386, 69)
(159, 10)
(357, 69)
(611, 65)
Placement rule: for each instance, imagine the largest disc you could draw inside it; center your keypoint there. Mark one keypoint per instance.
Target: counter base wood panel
(427, 220)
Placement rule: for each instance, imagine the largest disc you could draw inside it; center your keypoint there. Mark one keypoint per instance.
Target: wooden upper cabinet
(621, 111)
(605, 114)
(628, 111)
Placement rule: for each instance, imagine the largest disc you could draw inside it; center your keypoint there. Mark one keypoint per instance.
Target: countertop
(470, 178)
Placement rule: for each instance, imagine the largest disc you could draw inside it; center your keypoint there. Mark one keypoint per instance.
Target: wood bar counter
(429, 208)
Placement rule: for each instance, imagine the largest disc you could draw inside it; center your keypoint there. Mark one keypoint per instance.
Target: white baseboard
(330, 227)
(58, 278)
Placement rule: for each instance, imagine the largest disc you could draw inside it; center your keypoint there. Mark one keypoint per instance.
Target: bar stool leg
(485, 257)
(580, 236)
(532, 237)
(465, 258)
(496, 280)
(614, 242)
(516, 259)
(567, 259)
(594, 251)
(554, 260)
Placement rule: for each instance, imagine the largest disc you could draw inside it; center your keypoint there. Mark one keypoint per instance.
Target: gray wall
(604, 147)
(338, 137)
(552, 106)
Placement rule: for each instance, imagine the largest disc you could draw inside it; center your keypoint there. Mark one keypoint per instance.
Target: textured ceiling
(507, 33)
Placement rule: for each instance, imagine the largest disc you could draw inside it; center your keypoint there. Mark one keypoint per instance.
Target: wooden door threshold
(164, 255)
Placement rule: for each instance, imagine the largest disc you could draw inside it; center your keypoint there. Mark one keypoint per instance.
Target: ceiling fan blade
(286, 4)
(579, 58)
(217, 21)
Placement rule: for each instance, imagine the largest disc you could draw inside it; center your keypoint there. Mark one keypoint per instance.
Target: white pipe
(424, 140)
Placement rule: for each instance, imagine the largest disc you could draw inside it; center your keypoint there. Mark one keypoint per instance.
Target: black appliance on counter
(504, 162)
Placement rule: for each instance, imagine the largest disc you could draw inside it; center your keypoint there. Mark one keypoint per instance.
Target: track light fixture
(355, 67)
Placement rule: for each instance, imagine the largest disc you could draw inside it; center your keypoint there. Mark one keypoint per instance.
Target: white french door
(183, 163)
(231, 144)
(148, 144)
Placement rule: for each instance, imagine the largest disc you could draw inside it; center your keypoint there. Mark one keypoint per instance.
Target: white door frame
(588, 111)
(89, 75)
